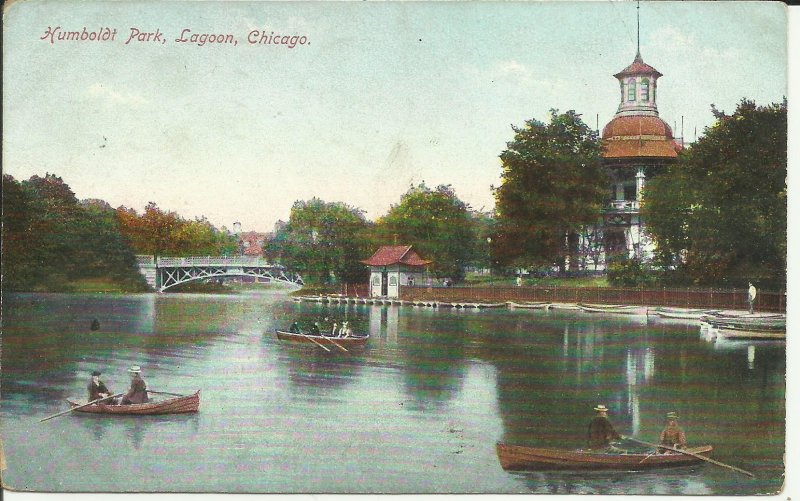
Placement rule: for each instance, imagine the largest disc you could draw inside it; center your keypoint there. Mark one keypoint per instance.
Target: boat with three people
(320, 339)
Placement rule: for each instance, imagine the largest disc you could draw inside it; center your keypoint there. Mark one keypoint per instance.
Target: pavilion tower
(637, 143)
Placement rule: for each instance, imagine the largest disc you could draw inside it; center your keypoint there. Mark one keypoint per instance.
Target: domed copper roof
(639, 136)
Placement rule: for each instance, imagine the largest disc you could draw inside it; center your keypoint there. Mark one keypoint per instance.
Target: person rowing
(294, 328)
(601, 431)
(97, 390)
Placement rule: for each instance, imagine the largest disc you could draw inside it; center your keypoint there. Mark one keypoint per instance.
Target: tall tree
(51, 240)
(719, 214)
(165, 233)
(321, 241)
(439, 226)
(553, 184)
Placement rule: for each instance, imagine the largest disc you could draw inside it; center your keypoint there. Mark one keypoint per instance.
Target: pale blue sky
(385, 95)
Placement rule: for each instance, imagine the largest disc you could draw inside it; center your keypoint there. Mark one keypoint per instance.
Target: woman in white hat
(601, 431)
(137, 394)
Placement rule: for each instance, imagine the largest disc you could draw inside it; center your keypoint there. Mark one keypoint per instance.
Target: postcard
(394, 247)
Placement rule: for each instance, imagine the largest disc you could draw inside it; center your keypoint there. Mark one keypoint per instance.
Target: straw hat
(601, 408)
(672, 415)
(135, 369)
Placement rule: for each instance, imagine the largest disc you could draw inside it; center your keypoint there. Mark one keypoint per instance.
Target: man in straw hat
(601, 431)
(137, 394)
(673, 435)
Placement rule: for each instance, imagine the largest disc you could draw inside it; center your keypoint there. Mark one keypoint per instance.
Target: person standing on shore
(751, 296)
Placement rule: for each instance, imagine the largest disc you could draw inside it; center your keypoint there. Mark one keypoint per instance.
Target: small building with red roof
(393, 266)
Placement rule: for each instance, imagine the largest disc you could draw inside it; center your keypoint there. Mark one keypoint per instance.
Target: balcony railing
(622, 206)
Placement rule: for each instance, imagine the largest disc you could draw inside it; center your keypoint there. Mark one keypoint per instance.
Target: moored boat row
(737, 322)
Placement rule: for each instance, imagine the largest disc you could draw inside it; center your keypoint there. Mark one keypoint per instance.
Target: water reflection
(135, 429)
(681, 480)
(450, 383)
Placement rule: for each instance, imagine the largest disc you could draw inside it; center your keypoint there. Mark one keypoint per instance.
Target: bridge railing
(145, 259)
(214, 261)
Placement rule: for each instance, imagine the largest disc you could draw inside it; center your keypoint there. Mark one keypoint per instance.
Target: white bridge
(165, 272)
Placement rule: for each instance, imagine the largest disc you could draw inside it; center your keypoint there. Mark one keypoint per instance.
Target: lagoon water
(418, 410)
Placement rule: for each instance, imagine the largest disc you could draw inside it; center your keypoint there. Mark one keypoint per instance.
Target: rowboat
(356, 340)
(728, 331)
(520, 458)
(490, 305)
(528, 306)
(614, 308)
(682, 313)
(758, 326)
(178, 405)
(564, 306)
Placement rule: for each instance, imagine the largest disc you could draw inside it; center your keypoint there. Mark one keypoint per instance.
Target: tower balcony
(621, 207)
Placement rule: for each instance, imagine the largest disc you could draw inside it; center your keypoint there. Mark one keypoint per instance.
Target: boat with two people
(176, 404)
(521, 458)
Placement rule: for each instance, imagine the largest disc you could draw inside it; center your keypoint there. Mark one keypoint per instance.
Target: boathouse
(392, 266)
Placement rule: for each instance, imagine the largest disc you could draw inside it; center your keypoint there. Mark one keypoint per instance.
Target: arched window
(645, 89)
(632, 89)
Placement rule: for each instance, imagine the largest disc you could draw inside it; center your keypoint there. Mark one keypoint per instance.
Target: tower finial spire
(637, 28)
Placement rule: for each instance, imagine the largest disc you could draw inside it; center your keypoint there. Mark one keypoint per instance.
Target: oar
(314, 341)
(698, 456)
(78, 407)
(166, 393)
(334, 342)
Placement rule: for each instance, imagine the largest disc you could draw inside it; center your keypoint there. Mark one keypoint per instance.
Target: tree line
(51, 240)
(717, 217)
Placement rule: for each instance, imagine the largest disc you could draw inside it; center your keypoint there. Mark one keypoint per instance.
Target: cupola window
(632, 89)
(645, 89)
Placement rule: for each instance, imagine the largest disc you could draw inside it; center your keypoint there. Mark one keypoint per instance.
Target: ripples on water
(419, 409)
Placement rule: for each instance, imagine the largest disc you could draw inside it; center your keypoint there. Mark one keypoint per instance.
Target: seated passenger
(137, 394)
(672, 435)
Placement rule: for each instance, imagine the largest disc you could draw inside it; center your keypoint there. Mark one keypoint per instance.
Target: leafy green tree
(165, 233)
(51, 240)
(718, 215)
(439, 226)
(484, 223)
(553, 184)
(322, 241)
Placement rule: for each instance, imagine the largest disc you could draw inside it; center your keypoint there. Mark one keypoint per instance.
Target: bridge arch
(167, 272)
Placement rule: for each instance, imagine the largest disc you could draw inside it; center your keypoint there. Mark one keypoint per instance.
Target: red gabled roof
(638, 67)
(395, 254)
